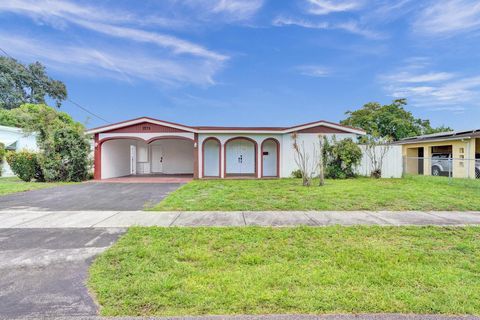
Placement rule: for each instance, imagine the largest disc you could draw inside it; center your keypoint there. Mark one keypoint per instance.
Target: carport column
(97, 158)
(259, 159)
(427, 160)
(196, 163)
(222, 159)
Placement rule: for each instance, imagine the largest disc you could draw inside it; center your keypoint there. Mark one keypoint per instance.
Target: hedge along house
(455, 153)
(151, 147)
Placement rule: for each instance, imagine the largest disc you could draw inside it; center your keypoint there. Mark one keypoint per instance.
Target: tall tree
(390, 121)
(21, 84)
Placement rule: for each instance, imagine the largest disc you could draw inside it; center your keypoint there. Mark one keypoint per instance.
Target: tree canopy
(21, 84)
(64, 147)
(390, 121)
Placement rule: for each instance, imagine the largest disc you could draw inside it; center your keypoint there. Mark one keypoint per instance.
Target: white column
(222, 160)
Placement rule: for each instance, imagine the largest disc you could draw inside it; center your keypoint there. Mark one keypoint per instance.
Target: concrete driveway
(43, 271)
(90, 196)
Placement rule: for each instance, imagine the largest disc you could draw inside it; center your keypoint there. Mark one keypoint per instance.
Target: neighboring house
(146, 146)
(455, 153)
(15, 139)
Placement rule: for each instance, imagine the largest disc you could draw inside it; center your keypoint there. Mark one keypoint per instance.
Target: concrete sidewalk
(120, 219)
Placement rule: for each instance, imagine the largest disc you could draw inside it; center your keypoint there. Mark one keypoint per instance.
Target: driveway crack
(93, 225)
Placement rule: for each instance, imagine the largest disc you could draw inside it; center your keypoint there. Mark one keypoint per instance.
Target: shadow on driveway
(90, 196)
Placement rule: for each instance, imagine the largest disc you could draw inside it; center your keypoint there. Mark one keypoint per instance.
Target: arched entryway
(241, 157)
(211, 150)
(132, 156)
(270, 158)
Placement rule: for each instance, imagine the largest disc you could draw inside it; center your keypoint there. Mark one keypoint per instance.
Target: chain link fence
(442, 166)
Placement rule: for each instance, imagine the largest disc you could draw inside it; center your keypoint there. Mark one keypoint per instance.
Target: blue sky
(253, 62)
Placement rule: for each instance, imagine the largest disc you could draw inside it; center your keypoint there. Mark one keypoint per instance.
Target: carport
(168, 157)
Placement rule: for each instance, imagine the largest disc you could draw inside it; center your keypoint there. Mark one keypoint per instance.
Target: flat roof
(448, 135)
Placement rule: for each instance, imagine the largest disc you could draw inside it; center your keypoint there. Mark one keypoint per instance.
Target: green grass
(411, 193)
(197, 271)
(13, 185)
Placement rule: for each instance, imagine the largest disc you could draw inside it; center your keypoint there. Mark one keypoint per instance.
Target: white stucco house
(152, 147)
(15, 139)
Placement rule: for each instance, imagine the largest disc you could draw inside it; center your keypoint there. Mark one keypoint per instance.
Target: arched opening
(241, 157)
(157, 157)
(270, 158)
(211, 157)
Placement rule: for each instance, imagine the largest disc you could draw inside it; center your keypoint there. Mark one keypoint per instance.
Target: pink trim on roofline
(212, 129)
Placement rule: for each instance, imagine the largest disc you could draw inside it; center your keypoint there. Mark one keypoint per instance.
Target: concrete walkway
(120, 219)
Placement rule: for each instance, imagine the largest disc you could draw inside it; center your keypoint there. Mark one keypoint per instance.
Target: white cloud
(348, 26)
(323, 7)
(124, 65)
(433, 90)
(313, 71)
(228, 10)
(449, 17)
(174, 59)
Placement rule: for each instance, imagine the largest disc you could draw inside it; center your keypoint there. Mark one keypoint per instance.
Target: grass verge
(411, 193)
(198, 271)
(10, 185)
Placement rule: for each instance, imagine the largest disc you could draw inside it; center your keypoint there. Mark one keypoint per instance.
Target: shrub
(341, 158)
(64, 148)
(66, 158)
(25, 165)
(296, 174)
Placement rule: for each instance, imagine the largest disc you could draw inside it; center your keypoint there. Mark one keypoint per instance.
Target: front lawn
(411, 193)
(13, 184)
(252, 270)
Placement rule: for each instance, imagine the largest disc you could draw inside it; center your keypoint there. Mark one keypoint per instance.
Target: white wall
(287, 161)
(177, 156)
(116, 158)
(392, 164)
(311, 141)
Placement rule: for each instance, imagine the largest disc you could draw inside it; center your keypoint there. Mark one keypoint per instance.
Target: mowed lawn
(13, 184)
(410, 193)
(199, 271)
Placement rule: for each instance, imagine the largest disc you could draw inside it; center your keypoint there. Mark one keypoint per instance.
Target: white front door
(157, 159)
(133, 159)
(240, 157)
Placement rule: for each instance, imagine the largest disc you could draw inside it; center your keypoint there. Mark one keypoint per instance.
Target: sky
(253, 62)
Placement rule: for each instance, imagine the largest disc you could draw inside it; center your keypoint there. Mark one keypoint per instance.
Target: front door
(240, 157)
(157, 159)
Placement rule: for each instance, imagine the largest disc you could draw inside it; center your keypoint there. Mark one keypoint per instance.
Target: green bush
(64, 148)
(341, 158)
(66, 158)
(296, 174)
(25, 165)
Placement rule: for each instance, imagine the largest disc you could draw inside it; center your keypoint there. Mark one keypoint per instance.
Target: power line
(76, 104)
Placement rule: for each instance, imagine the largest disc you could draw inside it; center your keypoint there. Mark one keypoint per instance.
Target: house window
(146, 128)
(461, 150)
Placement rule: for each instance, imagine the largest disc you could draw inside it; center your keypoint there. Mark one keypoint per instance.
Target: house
(15, 139)
(147, 146)
(454, 153)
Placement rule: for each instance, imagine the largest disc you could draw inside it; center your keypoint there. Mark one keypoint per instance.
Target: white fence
(392, 164)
